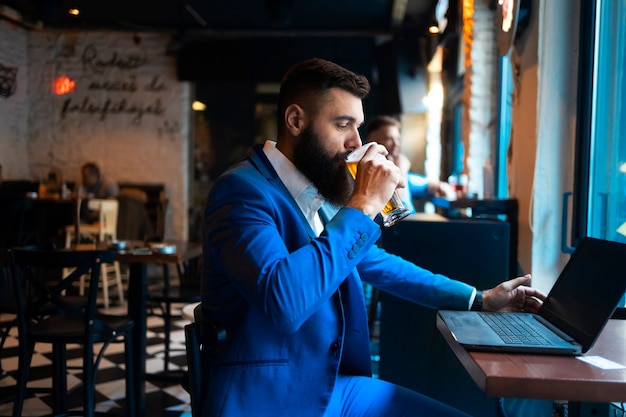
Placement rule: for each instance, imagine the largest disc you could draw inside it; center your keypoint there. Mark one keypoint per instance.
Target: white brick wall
(13, 101)
(482, 81)
(128, 112)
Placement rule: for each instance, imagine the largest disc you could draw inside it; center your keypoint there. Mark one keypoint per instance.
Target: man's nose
(354, 140)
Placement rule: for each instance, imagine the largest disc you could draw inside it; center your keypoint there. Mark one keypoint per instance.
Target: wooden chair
(47, 312)
(202, 338)
(104, 229)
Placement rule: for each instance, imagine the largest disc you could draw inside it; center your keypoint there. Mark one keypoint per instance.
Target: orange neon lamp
(63, 85)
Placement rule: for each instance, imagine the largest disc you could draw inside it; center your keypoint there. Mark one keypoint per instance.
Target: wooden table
(137, 300)
(586, 387)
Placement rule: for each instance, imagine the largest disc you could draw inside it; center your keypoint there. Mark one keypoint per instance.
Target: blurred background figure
(94, 184)
(385, 130)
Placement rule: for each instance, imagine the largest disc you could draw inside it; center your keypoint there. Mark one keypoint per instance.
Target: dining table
(138, 256)
(589, 383)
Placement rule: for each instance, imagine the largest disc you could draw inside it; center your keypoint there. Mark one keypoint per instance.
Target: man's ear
(295, 119)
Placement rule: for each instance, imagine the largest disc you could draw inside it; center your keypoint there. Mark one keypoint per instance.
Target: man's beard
(327, 172)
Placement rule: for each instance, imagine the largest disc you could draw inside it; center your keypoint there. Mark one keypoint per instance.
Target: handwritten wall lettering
(156, 85)
(109, 107)
(136, 85)
(8, 81)
(129, 86)
(93, 63)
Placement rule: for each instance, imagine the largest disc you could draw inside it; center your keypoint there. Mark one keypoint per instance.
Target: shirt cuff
(477, 303)
(471, 299)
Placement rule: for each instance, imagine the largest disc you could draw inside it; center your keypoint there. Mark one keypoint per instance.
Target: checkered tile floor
(167, 399)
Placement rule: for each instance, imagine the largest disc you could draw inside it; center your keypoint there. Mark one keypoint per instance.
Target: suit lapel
(259, 160)
(263, 165)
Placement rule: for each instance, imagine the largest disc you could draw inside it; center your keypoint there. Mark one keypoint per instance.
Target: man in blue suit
(288, 239)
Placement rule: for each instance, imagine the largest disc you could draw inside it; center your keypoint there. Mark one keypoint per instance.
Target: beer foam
(357, 154)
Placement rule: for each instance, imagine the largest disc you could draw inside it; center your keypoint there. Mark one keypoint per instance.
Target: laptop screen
(588, 290)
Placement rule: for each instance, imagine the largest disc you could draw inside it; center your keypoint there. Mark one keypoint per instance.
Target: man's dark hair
(92, 168)
(377, 122)
(305, 83)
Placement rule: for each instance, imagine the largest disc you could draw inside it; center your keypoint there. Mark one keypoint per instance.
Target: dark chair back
(49, 311)
(202, 338)
(7, 304)
(7, 301)
(186, 290)
(39, 285)
(16, 228)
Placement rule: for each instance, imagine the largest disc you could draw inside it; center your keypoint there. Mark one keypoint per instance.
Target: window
(601, 160)
(504, 127)
(606, 198)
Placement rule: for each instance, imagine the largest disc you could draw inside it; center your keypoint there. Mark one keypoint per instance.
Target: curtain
(557, 59)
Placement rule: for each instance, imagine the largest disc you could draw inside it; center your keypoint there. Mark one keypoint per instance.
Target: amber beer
(394, 210)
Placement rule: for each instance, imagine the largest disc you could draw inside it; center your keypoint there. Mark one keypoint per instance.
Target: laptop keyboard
(513, 330)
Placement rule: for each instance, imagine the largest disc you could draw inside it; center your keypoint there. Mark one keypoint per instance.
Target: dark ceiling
(219, 41)
(219, 17)
(280, 21)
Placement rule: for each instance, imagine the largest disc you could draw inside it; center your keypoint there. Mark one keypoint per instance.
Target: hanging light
(198, 106)
(63, 85)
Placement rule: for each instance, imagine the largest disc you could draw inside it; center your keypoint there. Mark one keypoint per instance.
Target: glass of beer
(394, 210)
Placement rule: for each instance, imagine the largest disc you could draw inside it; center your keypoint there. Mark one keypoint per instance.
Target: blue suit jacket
(292, 303)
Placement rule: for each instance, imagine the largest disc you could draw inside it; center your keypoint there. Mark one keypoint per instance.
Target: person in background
(385, 130)
(288, 239)
(94, 184)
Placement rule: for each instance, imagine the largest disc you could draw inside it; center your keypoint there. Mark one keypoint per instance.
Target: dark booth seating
(155, 204)
(133, 221)
(16, 213)
(412, 352)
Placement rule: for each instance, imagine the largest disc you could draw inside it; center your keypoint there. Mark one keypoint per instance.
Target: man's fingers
(532, 304)
(516, 282)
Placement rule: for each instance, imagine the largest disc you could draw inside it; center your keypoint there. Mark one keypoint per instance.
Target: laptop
(571, 318)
